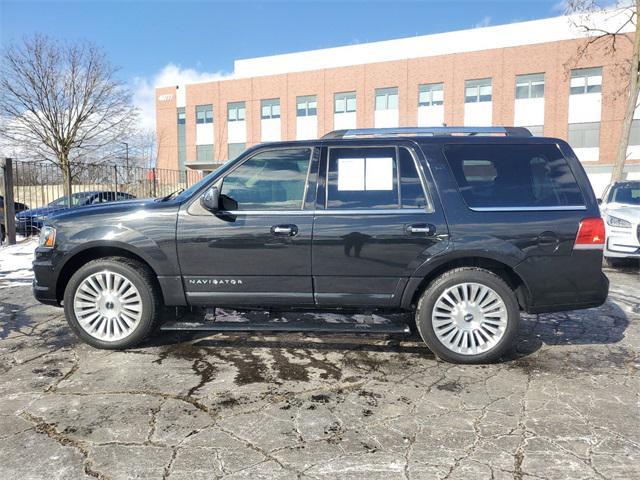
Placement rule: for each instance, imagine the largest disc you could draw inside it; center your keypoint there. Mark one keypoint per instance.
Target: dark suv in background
(29, 222)
(464, 226)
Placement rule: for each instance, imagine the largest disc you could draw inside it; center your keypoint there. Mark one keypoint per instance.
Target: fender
(162, 261)
(469, 247)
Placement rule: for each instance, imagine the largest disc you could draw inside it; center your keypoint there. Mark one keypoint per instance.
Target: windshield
(626, 193)
(76, 199)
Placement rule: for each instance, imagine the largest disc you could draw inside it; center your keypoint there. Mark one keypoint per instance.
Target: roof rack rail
(427, 131)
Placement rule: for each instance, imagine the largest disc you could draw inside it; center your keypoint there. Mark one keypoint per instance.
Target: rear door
(375, 223)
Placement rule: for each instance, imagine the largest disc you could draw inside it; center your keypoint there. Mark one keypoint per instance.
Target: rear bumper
(560, 283)
(589, 299)
(623, 243)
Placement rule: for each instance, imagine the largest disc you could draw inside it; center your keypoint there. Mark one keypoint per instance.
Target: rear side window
(525, 176)
(364, 178)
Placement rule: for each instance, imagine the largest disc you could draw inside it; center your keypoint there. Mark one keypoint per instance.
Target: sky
(158, 43)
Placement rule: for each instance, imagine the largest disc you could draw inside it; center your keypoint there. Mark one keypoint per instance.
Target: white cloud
(171, 74)
(485, 22)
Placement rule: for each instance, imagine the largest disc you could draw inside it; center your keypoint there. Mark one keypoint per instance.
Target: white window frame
(309, 103)
(426, 94)
(272, 106)
(344, 97)
(386, 94)
(528, 81)
(478, 85)
(585, 80)
(236, 112)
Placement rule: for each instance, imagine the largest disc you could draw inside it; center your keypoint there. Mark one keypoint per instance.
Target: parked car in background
(620, 207)
(29, 222)
(464, 228)
(19, 207)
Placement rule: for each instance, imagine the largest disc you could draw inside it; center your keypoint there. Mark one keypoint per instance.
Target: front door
(375, 224)
(256, 250)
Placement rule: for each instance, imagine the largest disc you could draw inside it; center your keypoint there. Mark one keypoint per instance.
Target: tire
(123, 320)
(490, 332)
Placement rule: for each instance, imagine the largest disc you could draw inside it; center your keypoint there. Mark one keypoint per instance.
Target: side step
(290, 326)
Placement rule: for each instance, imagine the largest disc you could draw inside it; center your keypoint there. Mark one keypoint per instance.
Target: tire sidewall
(146, 295)
(430, 296)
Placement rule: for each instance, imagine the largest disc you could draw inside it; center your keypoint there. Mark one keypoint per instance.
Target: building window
(204, 114)
(584, 135)
(387, 98)
(530, 86)
(182, 117)
(306, 106)
(586, 80)
(236, 112)
(478, 91)
(634, 135)
(204, 153)
(270, 108)
(344, 102)
(430, 94)
(235, 149)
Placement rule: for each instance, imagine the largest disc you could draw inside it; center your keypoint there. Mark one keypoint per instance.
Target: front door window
(270, 180)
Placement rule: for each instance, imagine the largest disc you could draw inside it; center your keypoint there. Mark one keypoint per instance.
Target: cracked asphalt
(185, 406)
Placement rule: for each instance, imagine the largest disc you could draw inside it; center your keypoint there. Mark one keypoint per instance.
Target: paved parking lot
(567, 405)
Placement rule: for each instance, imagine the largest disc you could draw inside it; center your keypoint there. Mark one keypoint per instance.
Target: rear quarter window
(513, 176)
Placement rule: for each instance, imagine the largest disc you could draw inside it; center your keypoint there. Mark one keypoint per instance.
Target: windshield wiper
(172, 194)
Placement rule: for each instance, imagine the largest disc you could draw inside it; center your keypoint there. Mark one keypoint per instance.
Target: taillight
(590, 234)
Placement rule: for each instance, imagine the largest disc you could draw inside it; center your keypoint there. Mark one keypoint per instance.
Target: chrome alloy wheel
(469, 318)
(107, 306)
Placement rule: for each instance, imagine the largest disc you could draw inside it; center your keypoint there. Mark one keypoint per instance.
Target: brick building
(526, 74)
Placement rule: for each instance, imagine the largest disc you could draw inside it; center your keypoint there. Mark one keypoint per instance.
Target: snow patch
(15, 263)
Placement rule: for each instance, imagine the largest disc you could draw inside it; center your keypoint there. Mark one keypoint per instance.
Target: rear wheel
(468, 315)
(112, 303)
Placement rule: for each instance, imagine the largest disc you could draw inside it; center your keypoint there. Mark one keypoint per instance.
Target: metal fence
(38, 188)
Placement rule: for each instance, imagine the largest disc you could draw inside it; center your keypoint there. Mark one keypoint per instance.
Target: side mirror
(210, 199)
(599, 201)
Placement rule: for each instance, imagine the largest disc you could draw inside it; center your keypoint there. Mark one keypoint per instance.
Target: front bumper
(623, 242)
(45, 277)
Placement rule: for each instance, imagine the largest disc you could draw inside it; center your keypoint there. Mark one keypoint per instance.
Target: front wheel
(468, 315)
(112, 303)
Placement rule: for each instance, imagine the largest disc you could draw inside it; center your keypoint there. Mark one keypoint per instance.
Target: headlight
(618, 222)
(47, 237)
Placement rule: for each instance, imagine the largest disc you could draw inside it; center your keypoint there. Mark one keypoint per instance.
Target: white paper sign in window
(359, 174)
(350, 174)
(379, 174)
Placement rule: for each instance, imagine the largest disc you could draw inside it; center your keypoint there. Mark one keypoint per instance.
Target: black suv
(464, 226)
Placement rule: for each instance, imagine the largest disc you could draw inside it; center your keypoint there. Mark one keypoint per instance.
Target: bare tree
(610, 25)
(61, 101)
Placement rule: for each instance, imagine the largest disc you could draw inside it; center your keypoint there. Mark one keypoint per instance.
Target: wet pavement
(185, 406)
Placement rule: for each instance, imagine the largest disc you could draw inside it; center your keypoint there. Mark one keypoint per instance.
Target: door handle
(425, 228)
(284, 230)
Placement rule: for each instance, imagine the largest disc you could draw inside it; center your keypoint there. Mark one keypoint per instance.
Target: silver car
(620, 207)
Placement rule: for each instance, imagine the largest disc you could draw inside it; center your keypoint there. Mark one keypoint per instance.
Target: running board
(291, 326)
